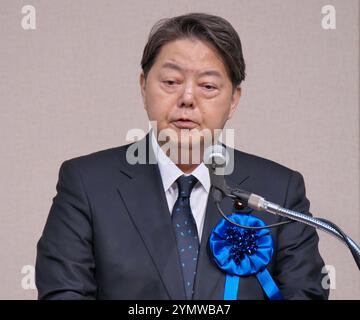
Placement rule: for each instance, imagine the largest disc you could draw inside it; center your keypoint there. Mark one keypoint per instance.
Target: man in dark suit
(114, 229)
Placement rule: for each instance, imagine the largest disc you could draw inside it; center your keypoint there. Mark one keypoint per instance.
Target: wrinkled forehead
(191, 55)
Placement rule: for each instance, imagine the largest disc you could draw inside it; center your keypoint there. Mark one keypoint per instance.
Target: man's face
(188, 88)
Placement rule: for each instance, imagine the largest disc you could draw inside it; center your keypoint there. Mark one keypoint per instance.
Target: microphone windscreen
(216, 158)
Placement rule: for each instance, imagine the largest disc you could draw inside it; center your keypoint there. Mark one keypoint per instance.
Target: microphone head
(216, 158)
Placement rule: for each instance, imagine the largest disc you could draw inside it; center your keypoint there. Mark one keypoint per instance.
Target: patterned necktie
(186, 232)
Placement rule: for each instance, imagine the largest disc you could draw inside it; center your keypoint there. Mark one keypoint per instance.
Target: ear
(142, 82)
(234, 101)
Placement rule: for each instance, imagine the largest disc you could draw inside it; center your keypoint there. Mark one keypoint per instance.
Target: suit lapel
(145, 200)
(208, 274)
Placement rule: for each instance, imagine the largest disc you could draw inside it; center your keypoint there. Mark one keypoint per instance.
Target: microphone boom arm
(259, 203)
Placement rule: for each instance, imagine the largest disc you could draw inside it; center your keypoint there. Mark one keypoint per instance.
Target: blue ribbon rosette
(243, 252)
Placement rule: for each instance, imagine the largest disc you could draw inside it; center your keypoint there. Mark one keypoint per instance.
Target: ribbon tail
(231, 287)
(269, 286)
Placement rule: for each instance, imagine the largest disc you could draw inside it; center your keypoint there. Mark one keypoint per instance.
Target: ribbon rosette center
(243, 243)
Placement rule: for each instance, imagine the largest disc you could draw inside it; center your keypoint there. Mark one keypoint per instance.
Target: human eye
(170, 83)
(209, 86)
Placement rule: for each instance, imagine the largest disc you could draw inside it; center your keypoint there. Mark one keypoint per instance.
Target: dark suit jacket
(109, 234)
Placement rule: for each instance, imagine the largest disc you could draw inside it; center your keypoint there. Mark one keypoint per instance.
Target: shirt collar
(170, 172)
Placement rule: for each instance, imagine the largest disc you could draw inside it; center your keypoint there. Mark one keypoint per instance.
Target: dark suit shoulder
(256, 164)
(99, 159)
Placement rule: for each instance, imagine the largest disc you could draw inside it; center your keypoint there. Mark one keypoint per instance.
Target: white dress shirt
(170, 172)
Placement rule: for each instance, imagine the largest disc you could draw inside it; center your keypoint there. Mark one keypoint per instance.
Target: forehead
(191, 55)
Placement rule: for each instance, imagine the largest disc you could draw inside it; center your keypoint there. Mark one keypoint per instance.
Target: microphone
(216, 158)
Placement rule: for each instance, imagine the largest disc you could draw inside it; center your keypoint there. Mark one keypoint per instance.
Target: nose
(187, 96)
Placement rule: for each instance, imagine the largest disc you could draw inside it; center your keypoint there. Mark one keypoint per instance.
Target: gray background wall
(70, 87)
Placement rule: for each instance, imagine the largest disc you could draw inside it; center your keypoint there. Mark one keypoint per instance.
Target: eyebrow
(173, 66)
